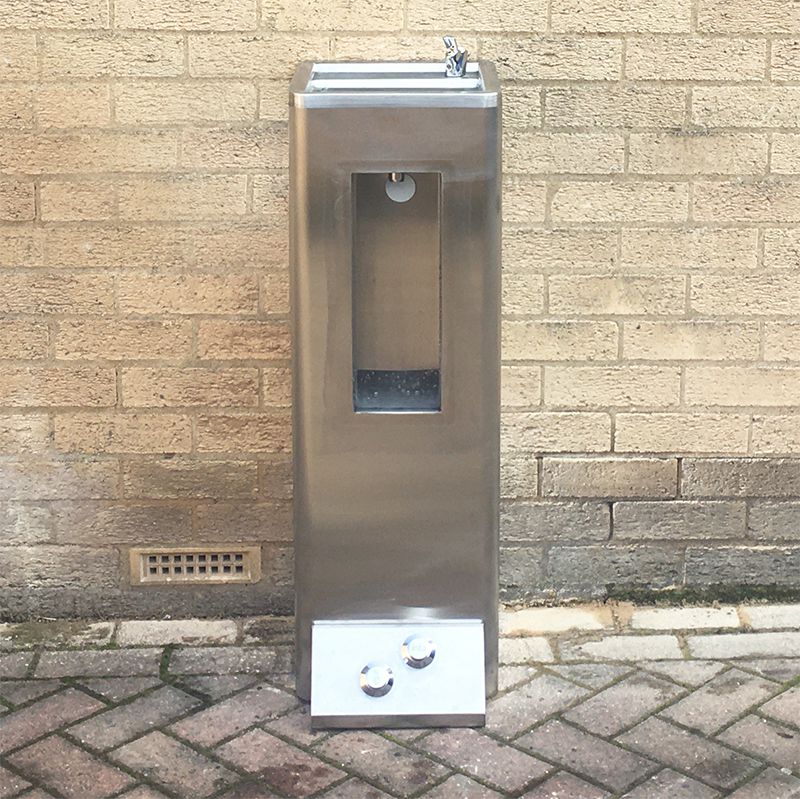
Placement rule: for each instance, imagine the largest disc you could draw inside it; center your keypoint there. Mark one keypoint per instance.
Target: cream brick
(782, 249)
(49, 480)
(16, 106)
(73, 105)
(263, 147)
(55, 14)
(671, 58)
(628, 16)
(87, 386)
(748, 295)
(714, 154)
(690, 341)
(785, 158)
(742, 386)
(681, 432)
(522, 106)
(189, 387)
(23, 339)
(123, 433)
(776, 435)
(122, 340)
(272, 55)
(746, 106)
(188, 293)
(555, 432)
(518, 476)
(271, 197)
(615, 106)
(24, 524)
(521, 386)
(762, 201)
(523, 293)
(276, 386)
(609, 477)
(742, 16)
(275, 292)
(169, 103)
(272, 101)
(559, 341)
(24, 433)
(264, 432)
(175, 478)
(16, 201)
(785, 59)
(523, 200)
(505, 15)
(620, 202)
(553, 57)
(58, 293)
(183, 197)
(618, 295)
(560, 250)
(611, 386)
(700, 248)
(186, 14)
(782, 341)
(74, 200)
(535, 152)
(355, 15)
(99, 151)
(94, 54)
(18, 60)
(404, 47)
(240, 340)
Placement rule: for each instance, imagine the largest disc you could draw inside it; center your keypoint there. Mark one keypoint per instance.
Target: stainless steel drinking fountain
(395, 248)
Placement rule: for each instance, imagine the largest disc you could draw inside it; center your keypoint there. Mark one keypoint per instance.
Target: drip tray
(397, 674)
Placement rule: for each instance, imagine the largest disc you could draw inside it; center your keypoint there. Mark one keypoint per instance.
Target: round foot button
(418, 651)
(376, 679)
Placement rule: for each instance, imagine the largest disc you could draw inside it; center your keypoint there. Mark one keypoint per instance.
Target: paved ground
(594, 702)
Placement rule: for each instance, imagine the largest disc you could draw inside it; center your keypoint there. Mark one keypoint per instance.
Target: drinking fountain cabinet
(395, 250)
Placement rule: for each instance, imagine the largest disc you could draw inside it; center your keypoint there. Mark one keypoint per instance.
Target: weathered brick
(747, 565)
(521, 573)
(93, 55)
(776, 434)
(784, 158)
(561, 250)
(24, 524)
(265, 432)
(243, 521)
(556, 432)
(166, 103)
(623, 295)
(520, 386)
(275, 292)
(739, 477)
(64, 201)
(41, 480)
(188, 293)
(271, 197)
(16, 201)
(356, 16)
(781, 248)
(699, 248)
(241, 340)
(766, 294)
(765, 106)
(609, 477)
(263, 147)
(538, 152)
(99, 663)
(56, 293)
(620, 202)
(16, 106)
(55, 14)
(690, 341)
(123, 433)
(190, 387)
(184, 14)
(182, 198)
(742, 386)
(681, 432)
(523, 293)
(523, 200)
(615, 106)
(678, 58)
(559, 341)
(675, 521)
(80, 386)
(23, 339)
(19, 55)
(709, 154)
(740, 16)
(122, 339)
(505, 16)
(761, 201)
(585, 522)
(785, 62)
(73, 105)
(406, 47)
(171, 479)
(553, 57)
(24, 433)
(611, 16)
(522, 107)
(586, 386)
(276, 386)
(771, 520)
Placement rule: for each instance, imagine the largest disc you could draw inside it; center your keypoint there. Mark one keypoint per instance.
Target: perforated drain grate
(241, 564)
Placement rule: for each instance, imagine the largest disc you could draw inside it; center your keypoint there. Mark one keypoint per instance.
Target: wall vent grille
(191, 565)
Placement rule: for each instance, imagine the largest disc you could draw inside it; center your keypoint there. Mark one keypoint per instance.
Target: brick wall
(652, 301)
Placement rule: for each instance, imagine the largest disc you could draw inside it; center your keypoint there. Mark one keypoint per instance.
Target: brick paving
(594, 703)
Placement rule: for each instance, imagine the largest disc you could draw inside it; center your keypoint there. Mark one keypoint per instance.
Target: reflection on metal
(455, 59)
(395, 232)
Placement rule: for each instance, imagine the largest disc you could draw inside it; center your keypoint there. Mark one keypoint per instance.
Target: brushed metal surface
(396, 513)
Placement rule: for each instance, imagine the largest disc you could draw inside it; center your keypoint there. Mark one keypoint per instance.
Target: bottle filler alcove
(395, 236)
